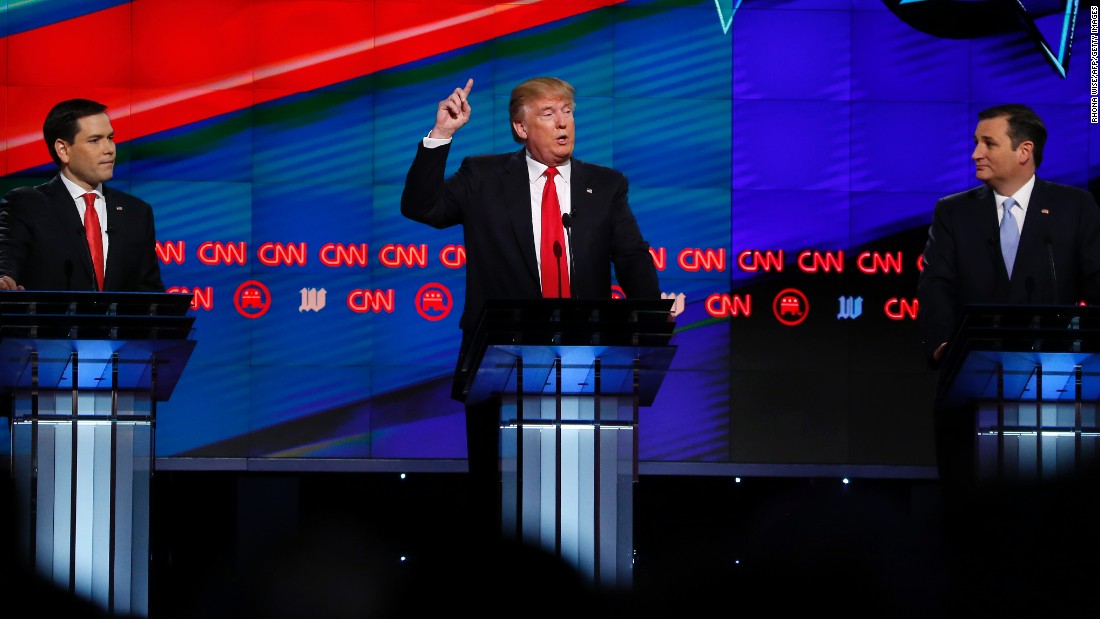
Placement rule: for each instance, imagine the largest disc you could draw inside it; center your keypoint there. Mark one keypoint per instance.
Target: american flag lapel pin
(1045, 211)
(588, 190)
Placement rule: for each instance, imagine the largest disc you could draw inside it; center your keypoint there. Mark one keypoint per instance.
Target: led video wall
(784, 157)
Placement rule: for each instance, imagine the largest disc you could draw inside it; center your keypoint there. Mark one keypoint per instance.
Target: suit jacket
(42, 243)
(1057, 262)
(490, 196)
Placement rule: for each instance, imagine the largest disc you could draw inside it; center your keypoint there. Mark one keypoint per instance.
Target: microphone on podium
(567, 222)
(557, 256)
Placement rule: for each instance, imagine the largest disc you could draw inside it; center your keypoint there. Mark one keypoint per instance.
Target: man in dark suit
(44, 242)
(498, 201)
(1056, 229)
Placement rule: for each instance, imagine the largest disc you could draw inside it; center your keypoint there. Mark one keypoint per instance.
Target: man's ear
(1025, 151)
(61, 147)
(520, 129)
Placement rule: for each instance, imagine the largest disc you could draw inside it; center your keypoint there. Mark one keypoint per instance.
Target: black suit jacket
(42, 244)
(1057, 262)
(490, 196)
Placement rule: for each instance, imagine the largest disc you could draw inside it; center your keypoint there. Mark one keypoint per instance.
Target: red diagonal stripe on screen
(160, 64)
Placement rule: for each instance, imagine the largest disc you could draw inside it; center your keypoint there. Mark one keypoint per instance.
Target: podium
(1032, 374)
(82, 373)
(569, 376)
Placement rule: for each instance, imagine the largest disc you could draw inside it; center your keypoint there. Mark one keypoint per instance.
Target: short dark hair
(535, 88)
(1023, 125)
(63, 122)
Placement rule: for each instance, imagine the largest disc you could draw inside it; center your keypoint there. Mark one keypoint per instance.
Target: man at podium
(1016, 240)
(536, 222)
(75, 233)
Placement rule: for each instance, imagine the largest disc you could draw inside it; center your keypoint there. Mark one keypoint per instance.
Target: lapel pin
(1046, 211)
(588, 189)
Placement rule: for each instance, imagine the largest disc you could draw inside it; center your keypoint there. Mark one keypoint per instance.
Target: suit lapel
(115, 213)
(579, 195)
(69, 220)
(1036, 226)
(988, 227)
(517, 189)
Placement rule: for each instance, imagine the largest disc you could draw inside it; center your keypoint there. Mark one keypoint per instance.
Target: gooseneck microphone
(567, 222)
(557, 256)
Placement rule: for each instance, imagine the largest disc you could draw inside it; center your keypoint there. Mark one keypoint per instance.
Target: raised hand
(453, 112)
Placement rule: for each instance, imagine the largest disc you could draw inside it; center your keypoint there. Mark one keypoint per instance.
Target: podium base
(568, 482)
(1026, 441)
(82, 501)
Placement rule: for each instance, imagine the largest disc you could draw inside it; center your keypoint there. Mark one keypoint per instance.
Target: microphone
(567, 222)
(557, 256)
(1053, 274)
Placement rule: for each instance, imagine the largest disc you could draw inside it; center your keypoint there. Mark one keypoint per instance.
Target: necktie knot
(550, 174)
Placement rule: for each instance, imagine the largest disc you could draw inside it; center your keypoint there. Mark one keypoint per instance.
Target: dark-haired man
(1045, 251)
(74, 233)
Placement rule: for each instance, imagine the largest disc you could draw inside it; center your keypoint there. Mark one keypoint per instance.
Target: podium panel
(90, 531)
(82, 373)
(567, 486)
(1032, 374)
(569, 377)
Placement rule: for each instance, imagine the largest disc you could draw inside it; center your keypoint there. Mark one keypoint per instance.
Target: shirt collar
(76, 191)
(1022, 195)
(535, 169)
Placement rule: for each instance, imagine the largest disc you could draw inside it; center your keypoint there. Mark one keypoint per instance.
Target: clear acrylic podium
(82, 373)
(569, 377)
(1033, 375)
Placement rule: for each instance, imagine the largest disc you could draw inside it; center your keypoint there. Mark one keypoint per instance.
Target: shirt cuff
(435, 142)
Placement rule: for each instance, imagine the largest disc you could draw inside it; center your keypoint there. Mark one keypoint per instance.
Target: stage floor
(236, 544)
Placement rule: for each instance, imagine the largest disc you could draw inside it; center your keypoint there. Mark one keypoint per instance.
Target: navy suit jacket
(1057, 262)
(42, 244)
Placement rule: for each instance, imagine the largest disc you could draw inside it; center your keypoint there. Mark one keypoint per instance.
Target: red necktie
(94, 236)
(555, 265)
